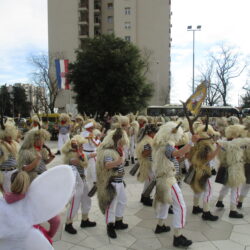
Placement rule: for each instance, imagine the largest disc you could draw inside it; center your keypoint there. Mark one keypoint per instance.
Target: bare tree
(43, 76)
(228, 66)
(208, 76)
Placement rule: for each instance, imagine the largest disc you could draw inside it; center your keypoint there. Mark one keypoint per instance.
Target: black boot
(69, 228)
(58, 152)
(209, 216)
(126, 163)
(219, 204)
(162, 229)
(120, 225)
(170, 210)
(197, 210)
(239, 205)
(181, 241)
(111, 231)
(235, 215)
(87, 223)
(147, 201)
(142, 198)
(132, 160)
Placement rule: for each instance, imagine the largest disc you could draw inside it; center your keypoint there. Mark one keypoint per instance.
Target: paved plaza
(224, 234)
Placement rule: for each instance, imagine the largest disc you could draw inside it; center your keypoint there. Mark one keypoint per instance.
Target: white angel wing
(36, 241)
(49, 193)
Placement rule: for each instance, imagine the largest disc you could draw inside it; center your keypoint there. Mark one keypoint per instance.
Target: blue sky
(24, 32)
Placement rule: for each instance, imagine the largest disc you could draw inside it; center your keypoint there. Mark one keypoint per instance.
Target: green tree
(109, 75)
(20, 104)
(5, 101)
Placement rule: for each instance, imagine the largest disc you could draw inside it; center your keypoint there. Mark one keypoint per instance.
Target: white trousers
(244, 190)
(117, 206)
(62, 139)
(126, 152)
(80, 197)
(91, 170)
(207, 194)
(151, 176)
(6, 179)
(132, 146)
(179, 208)
(234, 193)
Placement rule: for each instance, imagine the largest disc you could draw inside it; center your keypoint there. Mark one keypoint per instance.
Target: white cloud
(23, 30)
(223, 20)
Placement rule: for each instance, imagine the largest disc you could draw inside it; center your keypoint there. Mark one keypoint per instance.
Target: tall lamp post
(189, 28)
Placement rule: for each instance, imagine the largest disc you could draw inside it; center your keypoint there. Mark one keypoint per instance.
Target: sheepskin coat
(164, 168)
(145, 163)
(232, 157)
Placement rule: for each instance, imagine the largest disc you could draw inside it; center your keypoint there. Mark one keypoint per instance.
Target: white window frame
(127, 25)
(127, 11)
(110, 19)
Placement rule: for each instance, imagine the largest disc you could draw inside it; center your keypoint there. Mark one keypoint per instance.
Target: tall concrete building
(146, 23)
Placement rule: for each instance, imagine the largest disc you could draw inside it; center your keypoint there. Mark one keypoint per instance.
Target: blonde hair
(20, 182)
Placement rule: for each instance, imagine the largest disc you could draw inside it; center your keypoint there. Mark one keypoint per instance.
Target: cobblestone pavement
(224, 234)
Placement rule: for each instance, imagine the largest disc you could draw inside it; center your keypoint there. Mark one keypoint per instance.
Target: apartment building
(146, 23)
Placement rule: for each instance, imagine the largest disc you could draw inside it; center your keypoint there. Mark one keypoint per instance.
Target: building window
(127, 25)
(110, 19)
(110, 5)
(127, 38)
(127, 11)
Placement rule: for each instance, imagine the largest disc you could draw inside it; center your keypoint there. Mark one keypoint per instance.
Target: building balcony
(84, 5)
(84, 22)
(97, 21)
(82, 36)
(97, 7)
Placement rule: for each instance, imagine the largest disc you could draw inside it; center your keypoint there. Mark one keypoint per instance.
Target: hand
(38, 156)
(52, 156)
(92, 155)
(120, 160)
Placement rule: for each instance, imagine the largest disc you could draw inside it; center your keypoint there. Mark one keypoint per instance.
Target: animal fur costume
(233, 155)
(134, 128)
(221, 124)
(142, 120)
(164, 169)
(233, 120)
(235, 131)
(70, 153)
(198, 157)
(28, 153)
(145, 163)
(105, 191)
(77, 127)
(35, 120)
(8, 149)
(233, 159)
(64, 118)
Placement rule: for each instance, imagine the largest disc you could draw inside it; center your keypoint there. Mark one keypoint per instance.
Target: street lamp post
(189, 28)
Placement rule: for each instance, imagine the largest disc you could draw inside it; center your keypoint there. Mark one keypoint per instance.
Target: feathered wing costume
(164, 169)
(46, 197)
(105, 191)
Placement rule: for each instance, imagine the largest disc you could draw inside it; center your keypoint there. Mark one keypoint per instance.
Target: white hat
(89, 125)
